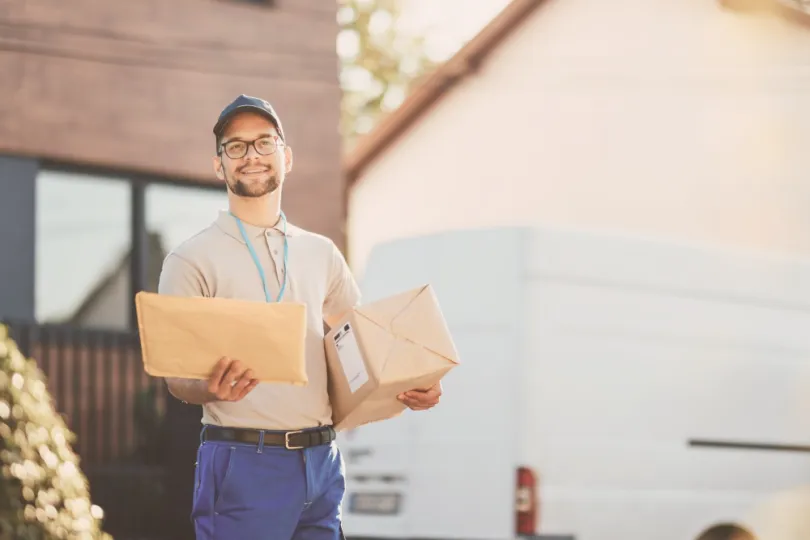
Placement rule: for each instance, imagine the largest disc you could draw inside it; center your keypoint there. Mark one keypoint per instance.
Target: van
(609, 388)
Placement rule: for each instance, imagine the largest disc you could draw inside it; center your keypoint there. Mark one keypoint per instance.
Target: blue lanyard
(258, 264)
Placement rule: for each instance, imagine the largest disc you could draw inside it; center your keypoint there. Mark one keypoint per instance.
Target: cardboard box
(186, 336)
(382, 349)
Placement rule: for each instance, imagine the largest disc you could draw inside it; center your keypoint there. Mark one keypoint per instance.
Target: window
(82, 250)
(174, 214)
(84, 255)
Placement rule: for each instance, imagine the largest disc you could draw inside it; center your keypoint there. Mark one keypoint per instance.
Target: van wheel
(726, 531)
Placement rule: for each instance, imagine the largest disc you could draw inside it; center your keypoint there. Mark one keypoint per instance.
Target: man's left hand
(422, 400)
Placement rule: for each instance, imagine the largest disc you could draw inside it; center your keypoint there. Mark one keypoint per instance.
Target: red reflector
(526, 502)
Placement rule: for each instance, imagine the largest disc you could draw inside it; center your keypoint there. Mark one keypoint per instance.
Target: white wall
(673, 118)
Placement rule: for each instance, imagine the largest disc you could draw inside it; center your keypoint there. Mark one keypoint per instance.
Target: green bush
(44, 495)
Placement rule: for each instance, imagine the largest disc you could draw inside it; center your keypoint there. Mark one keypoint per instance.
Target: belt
(291, 440)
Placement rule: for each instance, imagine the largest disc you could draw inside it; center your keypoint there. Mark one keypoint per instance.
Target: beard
(255, 188)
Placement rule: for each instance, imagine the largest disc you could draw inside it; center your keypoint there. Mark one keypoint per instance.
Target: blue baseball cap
(247, 103)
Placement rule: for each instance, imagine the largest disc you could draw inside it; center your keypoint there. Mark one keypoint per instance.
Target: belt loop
(261, 442)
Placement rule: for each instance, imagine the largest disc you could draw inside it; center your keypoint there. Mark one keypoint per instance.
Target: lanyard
(258, 264)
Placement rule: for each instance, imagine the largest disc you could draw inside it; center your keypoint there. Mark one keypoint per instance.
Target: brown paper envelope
(186, 336)
(423, 323)
(405, 345)
(414, 315)
(408, 361)
(382, 402)
(407, 366)
(375, 342)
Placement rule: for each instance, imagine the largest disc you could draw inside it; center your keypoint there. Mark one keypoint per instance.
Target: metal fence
(118, 414)
(98, 384)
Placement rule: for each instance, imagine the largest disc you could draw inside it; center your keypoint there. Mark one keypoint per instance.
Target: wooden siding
(137, 86)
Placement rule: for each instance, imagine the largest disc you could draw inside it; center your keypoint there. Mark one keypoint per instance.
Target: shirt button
(275, 252)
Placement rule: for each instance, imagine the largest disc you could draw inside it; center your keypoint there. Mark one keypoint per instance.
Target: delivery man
(267, 465)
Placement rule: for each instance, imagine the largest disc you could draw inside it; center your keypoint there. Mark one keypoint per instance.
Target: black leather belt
(291, 440)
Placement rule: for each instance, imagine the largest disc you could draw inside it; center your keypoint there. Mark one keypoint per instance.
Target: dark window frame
(138, 182)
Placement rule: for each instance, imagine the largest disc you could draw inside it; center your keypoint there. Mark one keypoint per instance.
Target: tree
(381, 60)
(43, 495)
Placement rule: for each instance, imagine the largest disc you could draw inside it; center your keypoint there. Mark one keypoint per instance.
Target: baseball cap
(247, 103)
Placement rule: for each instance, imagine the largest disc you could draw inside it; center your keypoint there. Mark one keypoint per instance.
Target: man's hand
(230, 380)
(422, 400)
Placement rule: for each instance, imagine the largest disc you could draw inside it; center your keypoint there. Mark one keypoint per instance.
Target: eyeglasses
(263, 146)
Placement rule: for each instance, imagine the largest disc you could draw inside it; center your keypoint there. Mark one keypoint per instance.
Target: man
(267, 465)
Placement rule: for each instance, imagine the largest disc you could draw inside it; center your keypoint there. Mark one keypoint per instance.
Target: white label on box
(350, 358)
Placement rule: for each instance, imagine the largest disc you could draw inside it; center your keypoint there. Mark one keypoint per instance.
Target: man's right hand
(230, 380)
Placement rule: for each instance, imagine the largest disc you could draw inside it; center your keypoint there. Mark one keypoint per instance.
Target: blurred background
(611, 200)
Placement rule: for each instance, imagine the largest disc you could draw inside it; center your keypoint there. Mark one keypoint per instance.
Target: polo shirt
(216, 262)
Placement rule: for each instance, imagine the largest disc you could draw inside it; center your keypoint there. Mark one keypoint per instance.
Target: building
(106, 156)
(106, 143)
(686, 119)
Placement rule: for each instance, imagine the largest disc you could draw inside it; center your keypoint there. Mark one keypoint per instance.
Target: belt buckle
(287, 440)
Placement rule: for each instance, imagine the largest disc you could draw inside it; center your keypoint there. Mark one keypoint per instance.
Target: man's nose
(252, 153)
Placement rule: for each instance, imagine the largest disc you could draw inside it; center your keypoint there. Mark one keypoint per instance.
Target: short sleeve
(343, 292)
(179, 277)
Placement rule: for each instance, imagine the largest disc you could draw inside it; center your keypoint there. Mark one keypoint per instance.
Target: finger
(436, 389)
(215, 379)
(419, 394)
(230, 380)
(428, 396)
(416, 404)
(242, 382)
(233, 374)
(246, 390)
(426, 401)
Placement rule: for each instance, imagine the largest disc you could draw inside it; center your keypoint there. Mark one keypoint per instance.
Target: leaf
(43, 493)
(394, 61)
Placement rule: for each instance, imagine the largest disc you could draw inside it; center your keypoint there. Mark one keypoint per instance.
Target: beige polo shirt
(216, 262)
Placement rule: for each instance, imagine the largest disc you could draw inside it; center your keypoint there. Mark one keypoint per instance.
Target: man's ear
(218, 168)
(289, 158)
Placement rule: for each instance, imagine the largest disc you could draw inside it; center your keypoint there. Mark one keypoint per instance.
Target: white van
(610, 388)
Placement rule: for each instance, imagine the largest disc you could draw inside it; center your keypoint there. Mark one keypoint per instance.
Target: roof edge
(461, 65)
(784, 8)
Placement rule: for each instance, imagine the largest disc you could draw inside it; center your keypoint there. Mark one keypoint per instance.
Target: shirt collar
(227, 223)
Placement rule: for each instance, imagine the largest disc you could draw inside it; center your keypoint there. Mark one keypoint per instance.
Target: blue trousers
(248, 492)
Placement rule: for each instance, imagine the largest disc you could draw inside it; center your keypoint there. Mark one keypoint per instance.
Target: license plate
(380, 504)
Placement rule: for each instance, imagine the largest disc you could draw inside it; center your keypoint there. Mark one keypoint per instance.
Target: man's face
(246, 171)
